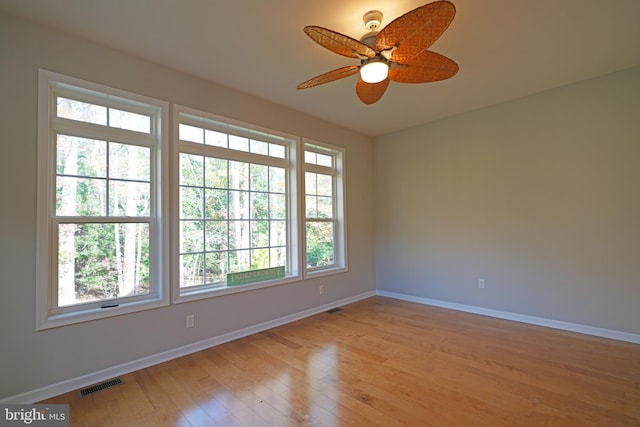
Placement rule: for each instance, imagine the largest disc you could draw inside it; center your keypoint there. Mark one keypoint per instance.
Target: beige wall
(30, 359)
(540, 197)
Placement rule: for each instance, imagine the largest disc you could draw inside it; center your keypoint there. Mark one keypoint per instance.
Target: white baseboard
(549, 323)
(105, 374)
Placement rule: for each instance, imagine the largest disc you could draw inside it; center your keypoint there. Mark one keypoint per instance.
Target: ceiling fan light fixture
(374, 71)
(399, 52)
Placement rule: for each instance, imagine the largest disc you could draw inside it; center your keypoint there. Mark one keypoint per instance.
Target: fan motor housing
(370, 39)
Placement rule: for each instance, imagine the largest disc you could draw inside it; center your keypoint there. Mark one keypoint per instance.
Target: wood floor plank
(383, 362)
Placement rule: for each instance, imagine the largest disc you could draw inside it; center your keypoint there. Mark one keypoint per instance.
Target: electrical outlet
(481, 283)
(191, 320)
(321, 289)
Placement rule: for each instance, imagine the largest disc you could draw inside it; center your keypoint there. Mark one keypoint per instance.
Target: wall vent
(99, 387)
(334, 310)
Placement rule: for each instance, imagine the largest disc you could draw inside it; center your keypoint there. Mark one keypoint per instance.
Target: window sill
(198, 294)
(65, 319)
(311, 274)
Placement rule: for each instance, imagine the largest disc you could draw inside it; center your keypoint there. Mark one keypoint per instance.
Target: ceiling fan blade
(426, 67)
(329, 76)
(339, 43)
(371, 92)
(415, 31)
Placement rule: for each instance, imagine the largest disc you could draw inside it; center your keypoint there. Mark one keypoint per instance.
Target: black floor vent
(334, 310)
(99, 387)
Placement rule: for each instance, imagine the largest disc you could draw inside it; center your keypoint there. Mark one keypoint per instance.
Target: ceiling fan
(399, 52)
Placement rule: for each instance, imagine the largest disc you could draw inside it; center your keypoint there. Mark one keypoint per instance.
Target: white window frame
(50, 85)
(194, 117)
(338, 154)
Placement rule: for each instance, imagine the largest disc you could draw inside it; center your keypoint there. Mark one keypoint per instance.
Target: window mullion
(94, 131)
(324, 170)
(100, 219)
(239, 156)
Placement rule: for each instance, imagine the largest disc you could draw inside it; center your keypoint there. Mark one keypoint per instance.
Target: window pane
(191, 203)
(238, 143)
(311, 206)
(214, 138)
(259, 234)
(310, 157)
(81, 111)
(276, 150)
(259, 258)
(259, 205)
(278, 257)
(238, 175)
(324, 185)
(259, 147)
(259, 177)
(238, 204)
(277, 206)
(191, 270)
(278, 233)
(129, 162)
(324, 160)
(239, 261)
(191, 133)
(191, 236)
(277, 180)
(130, 121)
(191, 169)
(102, 261)
(239, 235)
(129, 198)
(215, 173)
(80, 197)
(320, 244)
(81, 156)
(215, 206)
(310, 183)
(325, 207)
(216, 267)
(216, 235)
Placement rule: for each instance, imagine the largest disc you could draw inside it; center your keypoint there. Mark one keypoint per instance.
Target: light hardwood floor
(383, 362)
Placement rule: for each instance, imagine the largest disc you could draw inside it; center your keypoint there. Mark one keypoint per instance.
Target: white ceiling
(506, 49)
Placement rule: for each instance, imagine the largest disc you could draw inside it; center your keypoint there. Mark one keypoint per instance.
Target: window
(324, 208)
(235, 206)
(100, 235)
(249, 207)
